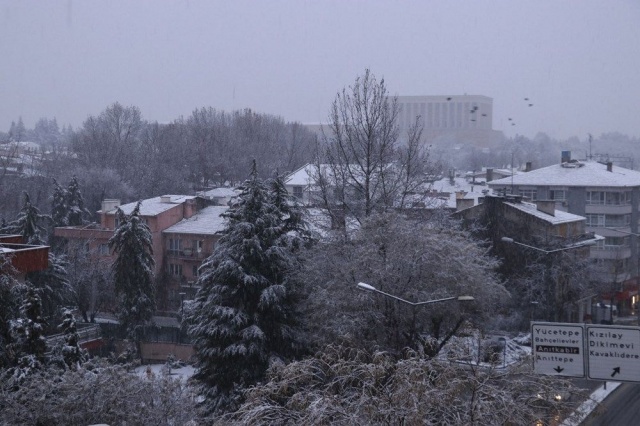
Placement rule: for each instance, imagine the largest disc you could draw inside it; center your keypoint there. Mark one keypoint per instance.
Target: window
(297, 192)
(175, 245)
(617, 220)
(532, 194)
(616, 242)
(197, 245)
(194, 271)
(104, 249)
(618, 198)
(175, 269)
(558, 194)
(595, 219)
(595, 197)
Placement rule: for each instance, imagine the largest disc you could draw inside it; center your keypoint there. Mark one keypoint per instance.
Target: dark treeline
(117, 154)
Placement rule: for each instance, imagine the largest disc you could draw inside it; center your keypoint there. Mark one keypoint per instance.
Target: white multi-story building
(464, 119)
(608, 196)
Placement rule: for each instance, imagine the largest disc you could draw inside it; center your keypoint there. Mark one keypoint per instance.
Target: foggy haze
(577, 61)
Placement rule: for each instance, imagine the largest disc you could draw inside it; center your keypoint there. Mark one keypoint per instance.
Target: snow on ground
(590, 404)
(182, 373)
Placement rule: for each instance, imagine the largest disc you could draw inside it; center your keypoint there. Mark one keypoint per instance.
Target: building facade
(608, 197)
(464, 119)
(184, 231)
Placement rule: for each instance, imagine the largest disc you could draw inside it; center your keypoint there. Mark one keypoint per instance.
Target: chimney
(464, 203)
(609, 166)
(109, 204)
(190, 208)
(565, 156)
(165, 199)
(527, 167)
(546, 206)
(489, 175)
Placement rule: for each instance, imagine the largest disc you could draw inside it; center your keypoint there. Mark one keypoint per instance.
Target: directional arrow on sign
(616, 370)
(558, 369)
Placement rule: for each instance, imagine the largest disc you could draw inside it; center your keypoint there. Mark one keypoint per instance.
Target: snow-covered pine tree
(72, 353)
(243, 315)
(28, 343)
(75, 203)
(59, 208)
(53, 286)
(133, 270)
(9, 307)
(28, 223)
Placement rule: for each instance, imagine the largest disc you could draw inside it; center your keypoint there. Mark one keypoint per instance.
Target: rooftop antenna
(511, 172)
(590, 140)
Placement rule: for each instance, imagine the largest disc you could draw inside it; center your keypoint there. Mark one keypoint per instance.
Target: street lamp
(368, 287)
(585, 243)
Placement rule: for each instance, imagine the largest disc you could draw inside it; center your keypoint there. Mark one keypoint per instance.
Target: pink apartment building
(184, 230)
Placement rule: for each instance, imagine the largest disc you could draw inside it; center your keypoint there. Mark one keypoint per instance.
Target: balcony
(188, 253)
(611, 252)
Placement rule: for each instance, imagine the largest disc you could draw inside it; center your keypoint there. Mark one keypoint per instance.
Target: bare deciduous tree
(413, 261)
(364, 164)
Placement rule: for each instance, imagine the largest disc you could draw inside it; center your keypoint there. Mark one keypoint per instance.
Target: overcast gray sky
(578, 61)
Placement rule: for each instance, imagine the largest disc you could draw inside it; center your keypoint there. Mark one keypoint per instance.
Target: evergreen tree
(243, 315)
(59, 207)
(133, 270)
(29, 345)
(53, 286)
(9, 307)
(72, 353)
(75, 203)
(28, 223)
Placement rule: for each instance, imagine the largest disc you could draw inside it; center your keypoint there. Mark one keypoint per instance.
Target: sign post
(613, 353)
(558, 349)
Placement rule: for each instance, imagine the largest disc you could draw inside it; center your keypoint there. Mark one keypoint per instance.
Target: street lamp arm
(574, 246)
(368, 287)
(365, 286)
(436, 301)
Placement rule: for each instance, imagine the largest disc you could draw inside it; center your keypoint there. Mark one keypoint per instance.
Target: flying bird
(484, 115)
(448, 99)
(526, 99)
(530, 105)
(509, 119)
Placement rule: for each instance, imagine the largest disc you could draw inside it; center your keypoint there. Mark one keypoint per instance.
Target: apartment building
(538, 227)
(184, 230)
(608, 197)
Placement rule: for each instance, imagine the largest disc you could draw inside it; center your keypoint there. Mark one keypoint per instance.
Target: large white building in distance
(450, 119)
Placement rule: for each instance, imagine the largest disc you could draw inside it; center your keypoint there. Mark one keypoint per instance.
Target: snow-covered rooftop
(582, 173)
(219, 192)
(459, 185)
(154, 206)
(207, 221)
(558, 218)
(302, 176)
